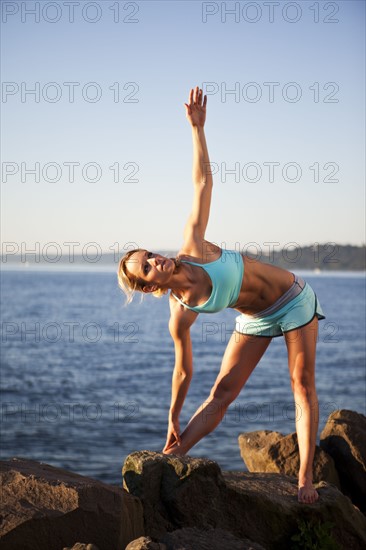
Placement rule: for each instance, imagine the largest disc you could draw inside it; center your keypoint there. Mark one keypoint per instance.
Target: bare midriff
(263, 284)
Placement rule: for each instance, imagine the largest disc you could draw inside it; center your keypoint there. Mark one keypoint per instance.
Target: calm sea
(86, 381)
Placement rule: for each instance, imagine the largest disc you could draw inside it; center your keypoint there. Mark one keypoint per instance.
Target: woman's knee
(223, 395)
(303, 386)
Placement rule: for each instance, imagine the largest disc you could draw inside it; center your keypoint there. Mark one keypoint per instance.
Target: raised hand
(196, 108)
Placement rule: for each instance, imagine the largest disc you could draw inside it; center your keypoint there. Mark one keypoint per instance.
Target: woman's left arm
(201, 172)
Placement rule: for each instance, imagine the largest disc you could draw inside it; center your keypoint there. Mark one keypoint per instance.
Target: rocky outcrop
(181, 503)
(344, 438)
(49, 508)
(82, 546)
(158, 481)
(182, 492)
(193, 539)
(145, 543)
(266, 451)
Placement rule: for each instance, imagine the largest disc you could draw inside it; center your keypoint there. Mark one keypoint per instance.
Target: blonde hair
(130, 284)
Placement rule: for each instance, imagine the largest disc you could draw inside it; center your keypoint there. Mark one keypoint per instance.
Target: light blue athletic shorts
(295, 309)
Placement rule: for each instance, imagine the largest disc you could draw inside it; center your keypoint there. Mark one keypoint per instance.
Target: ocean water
(85, 381)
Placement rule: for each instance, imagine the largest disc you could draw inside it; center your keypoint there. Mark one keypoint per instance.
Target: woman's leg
(241, 356)
(301, 345)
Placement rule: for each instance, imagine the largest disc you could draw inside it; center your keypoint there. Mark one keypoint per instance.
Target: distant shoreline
(318, 258)
(64, 268)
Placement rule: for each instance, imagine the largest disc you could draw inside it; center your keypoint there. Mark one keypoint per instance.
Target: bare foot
(307, 494)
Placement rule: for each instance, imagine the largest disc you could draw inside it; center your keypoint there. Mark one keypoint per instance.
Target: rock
(145, 543)
(82, 546)
(49, 508)
(194, 493)
(270, 507)
(344, 438)
(156, 479)
(192, 538)
(266, 451)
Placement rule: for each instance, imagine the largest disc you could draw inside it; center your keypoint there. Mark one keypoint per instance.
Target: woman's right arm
(179, 327)
(182, 373)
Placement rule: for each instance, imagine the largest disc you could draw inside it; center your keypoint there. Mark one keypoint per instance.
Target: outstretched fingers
(196, 107)
(200, 96)
(196, 95)
(189, 105)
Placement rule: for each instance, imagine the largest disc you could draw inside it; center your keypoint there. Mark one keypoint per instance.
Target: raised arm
(201, 173)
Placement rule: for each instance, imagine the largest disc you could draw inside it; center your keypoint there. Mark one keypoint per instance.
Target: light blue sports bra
(226, 274)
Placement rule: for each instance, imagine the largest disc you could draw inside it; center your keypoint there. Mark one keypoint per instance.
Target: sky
(101, 152)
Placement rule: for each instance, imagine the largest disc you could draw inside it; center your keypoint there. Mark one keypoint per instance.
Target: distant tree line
(323, 257)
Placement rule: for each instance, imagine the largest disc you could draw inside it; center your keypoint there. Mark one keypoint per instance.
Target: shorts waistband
(294, 290)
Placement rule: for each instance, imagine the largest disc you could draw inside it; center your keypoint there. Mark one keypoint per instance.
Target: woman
(271, 301)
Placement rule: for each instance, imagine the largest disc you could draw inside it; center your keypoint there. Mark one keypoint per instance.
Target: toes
(307, 496)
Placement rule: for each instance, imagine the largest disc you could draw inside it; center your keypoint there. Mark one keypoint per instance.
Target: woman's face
(154, 269)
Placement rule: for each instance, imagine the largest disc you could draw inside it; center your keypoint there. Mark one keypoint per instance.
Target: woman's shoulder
(201, 252)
